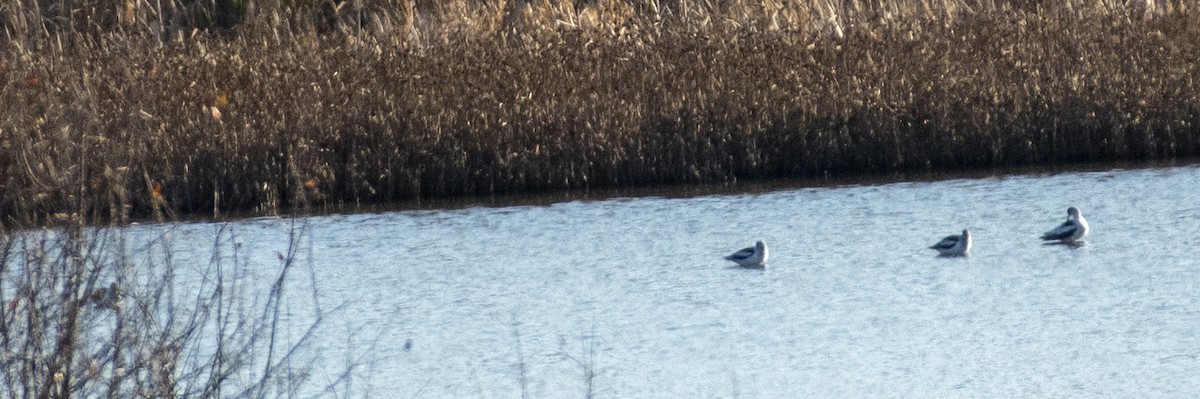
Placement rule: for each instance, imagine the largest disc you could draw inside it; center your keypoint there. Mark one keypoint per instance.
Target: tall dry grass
(203, 107)
(91, 310)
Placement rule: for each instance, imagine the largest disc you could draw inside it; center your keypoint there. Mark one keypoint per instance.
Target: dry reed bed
(512, 97)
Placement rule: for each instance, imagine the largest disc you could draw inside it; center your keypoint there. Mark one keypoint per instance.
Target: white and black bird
(958, 245)
(754, 257)
(1070, 231)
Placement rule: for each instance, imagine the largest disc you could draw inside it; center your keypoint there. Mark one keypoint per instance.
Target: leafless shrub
(103, 312)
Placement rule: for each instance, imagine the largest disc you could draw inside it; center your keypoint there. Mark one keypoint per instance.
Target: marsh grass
(94, 308)
(212, 107)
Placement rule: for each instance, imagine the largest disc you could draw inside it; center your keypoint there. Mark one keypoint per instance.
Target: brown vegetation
(213, 106)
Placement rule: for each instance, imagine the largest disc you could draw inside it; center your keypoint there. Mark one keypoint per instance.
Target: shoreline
(687, 190)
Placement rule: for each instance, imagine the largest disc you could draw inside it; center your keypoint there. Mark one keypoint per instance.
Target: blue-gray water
(482, 301)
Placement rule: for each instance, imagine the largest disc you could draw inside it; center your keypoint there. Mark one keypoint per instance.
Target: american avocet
(959, 245)
(1071, 230)
(755, 256)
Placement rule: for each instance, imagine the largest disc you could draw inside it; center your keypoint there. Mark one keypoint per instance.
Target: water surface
(494, 301)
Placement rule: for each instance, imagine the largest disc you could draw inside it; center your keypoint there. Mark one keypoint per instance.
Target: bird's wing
(1062, 231)
(947, 243)
(742, 254)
